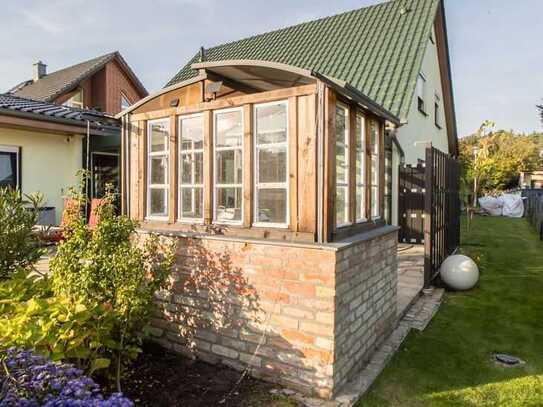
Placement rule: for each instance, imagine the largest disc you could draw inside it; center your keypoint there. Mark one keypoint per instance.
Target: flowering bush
(29, 380)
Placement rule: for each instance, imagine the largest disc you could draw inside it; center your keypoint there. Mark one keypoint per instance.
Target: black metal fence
(533, 208)
(441, 210)
(411, 203)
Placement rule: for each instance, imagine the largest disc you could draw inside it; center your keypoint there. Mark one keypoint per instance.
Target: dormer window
(125, 102)
(76, 100)
(421, 93)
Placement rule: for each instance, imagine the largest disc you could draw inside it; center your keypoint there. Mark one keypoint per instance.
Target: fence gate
(411, 204)
(442, 210)
(429, 208)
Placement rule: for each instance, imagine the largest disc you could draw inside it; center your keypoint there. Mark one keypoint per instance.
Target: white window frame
(269, 185)
(346, 184)
(364, 169)
(192, 185)
(378, 169)
(421, 78)
(216, 149)
(166, 187)
(17, 150)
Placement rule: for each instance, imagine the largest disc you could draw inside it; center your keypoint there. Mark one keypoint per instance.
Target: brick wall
(366, 293)
(292, 314)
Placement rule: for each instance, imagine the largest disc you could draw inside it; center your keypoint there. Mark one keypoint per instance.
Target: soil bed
(162, 378)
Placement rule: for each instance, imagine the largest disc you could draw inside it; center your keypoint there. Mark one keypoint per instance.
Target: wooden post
(174, 162)
(428, 221)
(293, 162)
(142, 169)
(329, 198)
(352, 164)
(208, 167)
(247, 165)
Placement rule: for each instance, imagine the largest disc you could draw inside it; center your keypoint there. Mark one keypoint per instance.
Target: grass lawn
(450, 363)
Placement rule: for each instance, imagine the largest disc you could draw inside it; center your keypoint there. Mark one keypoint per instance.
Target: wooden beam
(174, 165)
(43, 126)
(142, 169)
(122, 164)
(208, 167)
(329, 198)
(352, 164)
(293, 161)
(248, 165)
(381, 168)
(368, 119)
(235, 101)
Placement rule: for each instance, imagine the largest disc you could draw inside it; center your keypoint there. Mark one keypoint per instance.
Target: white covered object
(459, 272)
(491, 205)
(513, 207)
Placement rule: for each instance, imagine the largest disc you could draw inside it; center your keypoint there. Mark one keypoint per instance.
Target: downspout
(319, 123)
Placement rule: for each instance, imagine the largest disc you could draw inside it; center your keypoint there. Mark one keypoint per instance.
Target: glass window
(125, 103)
(342, 165)
(375, 136)
(437, 111)
(228, 168)
(9, 166)
(271, 152)
(191, 168)
(158, 132)
(360, 168)
(421, 93)
(76, 100)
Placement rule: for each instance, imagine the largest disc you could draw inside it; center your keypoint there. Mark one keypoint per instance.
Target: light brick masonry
(307, 317)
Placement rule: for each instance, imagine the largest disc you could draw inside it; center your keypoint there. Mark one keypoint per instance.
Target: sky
(494, 44)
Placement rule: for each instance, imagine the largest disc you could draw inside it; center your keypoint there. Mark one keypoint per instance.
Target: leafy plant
(30, 380)
(106, 266)
(18, 245)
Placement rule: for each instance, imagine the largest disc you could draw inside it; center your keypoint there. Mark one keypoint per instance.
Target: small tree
(19, 246)
(108, 267)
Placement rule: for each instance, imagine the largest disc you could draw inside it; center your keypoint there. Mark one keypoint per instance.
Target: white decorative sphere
(459, 272)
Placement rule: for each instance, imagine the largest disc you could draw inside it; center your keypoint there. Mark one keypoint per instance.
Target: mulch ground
(161, 378)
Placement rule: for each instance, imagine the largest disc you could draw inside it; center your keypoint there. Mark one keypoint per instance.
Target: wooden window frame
(215, 184)
(364, 168)
(166, 186)
(267, 185)
(379, 186)
(193, 151)
(348, 184)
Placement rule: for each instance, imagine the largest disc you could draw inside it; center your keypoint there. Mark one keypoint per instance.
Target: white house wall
(421, 129)
(49, 163)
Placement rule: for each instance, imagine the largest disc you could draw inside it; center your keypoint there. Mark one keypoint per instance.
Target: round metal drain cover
(508, 360)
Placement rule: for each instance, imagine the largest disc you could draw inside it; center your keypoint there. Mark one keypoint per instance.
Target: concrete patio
(411, 275)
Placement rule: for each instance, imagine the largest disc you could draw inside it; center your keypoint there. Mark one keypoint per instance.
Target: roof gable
(56, 83)
(378, 50)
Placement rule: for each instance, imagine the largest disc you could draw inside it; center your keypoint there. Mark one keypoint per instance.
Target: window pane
(158, 203)
(229, 132)
(8, 169)
(341, 212)
(374, 170)
(271, 123)
(272, 165)
(229, 167)
(159, 170)
(374, 201)
(229, 201)
(360, 203)
(192, 168)
(159, 136)
(341, 164)
(272, 205)
(192, 202)
(192, 133)
(341, 123)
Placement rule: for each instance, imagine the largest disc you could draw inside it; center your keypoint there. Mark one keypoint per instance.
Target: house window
(191, 168)
(342, 165)
(125, 103)
(360, 168)
(271, 164)
(375, 136)
(421, 93)
(76, 100)
(158, 132)
(437, 111)
(228, 168)
(9, 166)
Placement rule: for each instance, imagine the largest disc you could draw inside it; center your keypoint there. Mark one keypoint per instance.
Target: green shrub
(106, 266)
(18, 245)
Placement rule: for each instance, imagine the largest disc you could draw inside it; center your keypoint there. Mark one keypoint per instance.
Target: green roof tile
(377, 49)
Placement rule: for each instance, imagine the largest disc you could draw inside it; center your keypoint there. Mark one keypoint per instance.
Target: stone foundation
(304, 316)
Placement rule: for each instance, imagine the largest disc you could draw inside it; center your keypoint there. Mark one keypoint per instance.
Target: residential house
(270, 162)
(43, 145)
(103, 84)
(531, 180)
